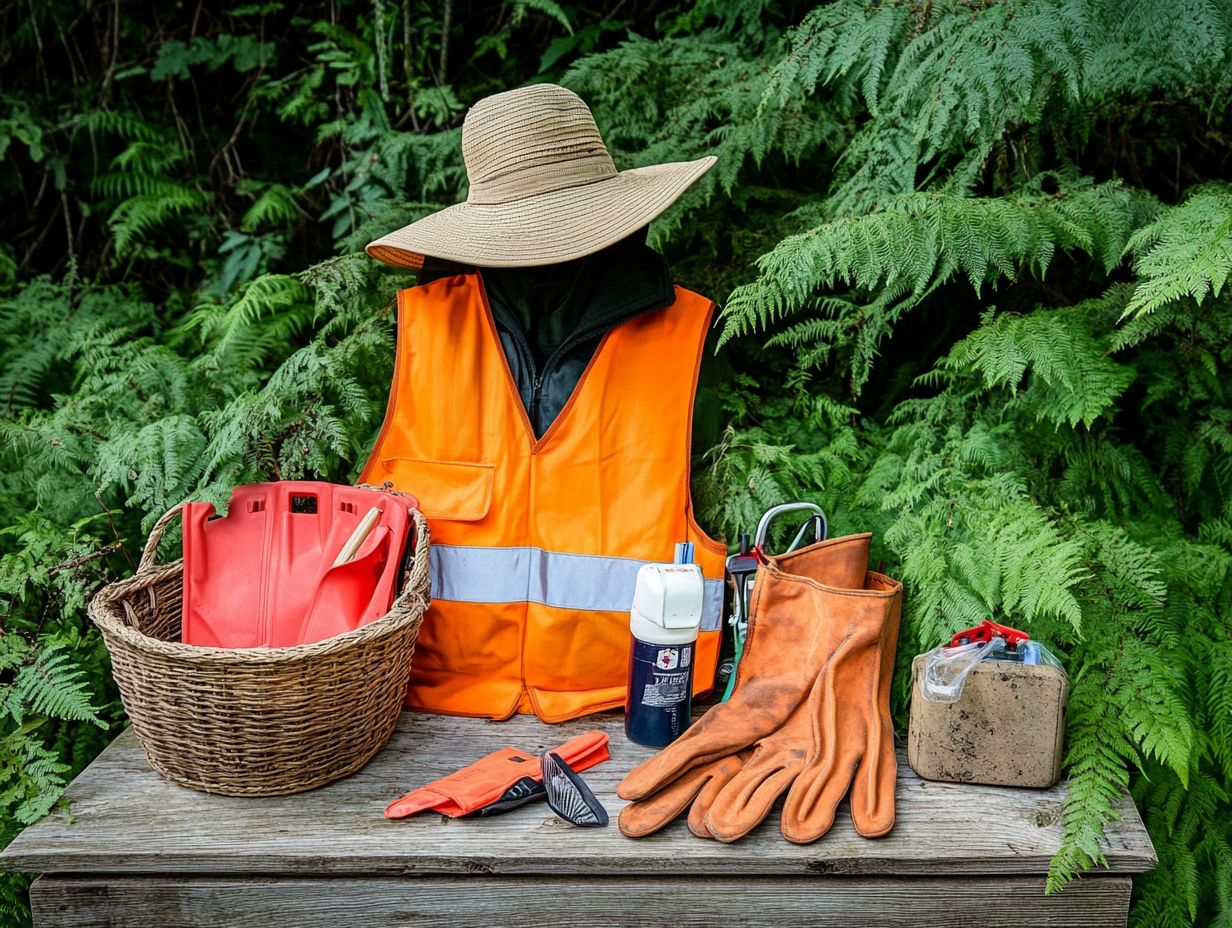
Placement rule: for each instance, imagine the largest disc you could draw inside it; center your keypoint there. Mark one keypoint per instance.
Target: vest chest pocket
(453, 491)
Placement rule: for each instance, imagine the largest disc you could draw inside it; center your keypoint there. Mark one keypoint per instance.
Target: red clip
(986, 631)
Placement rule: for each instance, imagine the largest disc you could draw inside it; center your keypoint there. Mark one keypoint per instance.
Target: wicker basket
(256, 721)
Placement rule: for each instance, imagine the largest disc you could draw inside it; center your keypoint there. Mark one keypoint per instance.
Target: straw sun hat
(543, 188)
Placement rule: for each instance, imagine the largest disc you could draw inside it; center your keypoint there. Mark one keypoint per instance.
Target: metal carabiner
(741, 568)
(817, 519)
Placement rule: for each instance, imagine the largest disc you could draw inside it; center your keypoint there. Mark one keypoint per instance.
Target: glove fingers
(716, 735)
(647, 816)
(698, 786)
(821, 786)
(417, 800)
(872, 794)
(744, 803)
(872, 790)
(837, 747)
(723, 772)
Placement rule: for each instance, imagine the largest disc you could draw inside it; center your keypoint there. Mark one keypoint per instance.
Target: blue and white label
(660, 696)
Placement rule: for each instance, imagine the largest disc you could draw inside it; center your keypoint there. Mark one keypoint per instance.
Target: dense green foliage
(974, 258)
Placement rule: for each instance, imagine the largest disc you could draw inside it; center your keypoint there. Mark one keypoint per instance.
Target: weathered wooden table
(141, 852)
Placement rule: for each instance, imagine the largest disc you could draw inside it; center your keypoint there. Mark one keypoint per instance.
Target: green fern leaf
(1186, 253)
(53, 685)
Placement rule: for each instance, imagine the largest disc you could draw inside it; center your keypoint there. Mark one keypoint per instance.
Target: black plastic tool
(569, 797)
(527, 789)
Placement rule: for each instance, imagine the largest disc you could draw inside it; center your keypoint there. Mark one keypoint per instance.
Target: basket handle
(417, 574)
(150, 553)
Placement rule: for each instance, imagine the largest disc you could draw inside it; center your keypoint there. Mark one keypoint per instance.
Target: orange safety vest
(536, 543)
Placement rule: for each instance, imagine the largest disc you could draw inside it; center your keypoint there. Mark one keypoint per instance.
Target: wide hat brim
(546, 228)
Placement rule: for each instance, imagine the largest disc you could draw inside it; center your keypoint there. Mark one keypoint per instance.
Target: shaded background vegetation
(973, 258)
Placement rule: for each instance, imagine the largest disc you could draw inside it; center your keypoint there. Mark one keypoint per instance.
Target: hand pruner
(742, 567)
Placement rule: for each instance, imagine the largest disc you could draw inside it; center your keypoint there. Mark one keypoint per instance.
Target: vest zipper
(535, 394)
(576, 338)
(527, 357)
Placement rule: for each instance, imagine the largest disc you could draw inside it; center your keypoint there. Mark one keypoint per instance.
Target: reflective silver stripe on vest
(586, 582)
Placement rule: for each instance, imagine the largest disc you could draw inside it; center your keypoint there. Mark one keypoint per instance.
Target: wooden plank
(531, 902)
(127, 819)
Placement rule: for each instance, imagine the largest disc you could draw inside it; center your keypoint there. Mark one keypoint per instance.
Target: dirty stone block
(1006, 729)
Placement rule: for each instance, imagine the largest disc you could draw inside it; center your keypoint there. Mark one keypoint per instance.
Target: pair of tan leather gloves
(809, 715)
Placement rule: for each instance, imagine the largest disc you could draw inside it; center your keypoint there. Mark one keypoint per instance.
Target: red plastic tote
(263, 576)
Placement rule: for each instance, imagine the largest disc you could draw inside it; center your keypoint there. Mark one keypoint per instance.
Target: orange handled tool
(503, 780)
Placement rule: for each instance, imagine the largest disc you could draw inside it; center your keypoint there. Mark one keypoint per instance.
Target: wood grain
(126, 819)
(610, 902)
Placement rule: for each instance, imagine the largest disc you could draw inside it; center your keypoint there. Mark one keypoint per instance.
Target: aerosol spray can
(664, 620)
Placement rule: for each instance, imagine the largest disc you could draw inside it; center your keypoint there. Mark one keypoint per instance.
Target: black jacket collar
(551, 318)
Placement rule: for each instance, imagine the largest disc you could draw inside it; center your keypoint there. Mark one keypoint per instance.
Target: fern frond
(1097, 776)
(892, 259)
(549, 8)
(121, 123)
(1073, 380)
(1186, 253)
(136, 217)
(262, 316)
(32, 777)
(275, 207)
(52, 685)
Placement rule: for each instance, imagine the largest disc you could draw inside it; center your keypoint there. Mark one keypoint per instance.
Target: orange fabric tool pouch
(488, 780)
(263, 576)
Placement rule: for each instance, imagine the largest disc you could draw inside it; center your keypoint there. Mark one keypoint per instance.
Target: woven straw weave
(543, 188)
(256, 721)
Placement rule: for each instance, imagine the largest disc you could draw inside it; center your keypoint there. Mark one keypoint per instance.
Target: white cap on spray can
(667, 603)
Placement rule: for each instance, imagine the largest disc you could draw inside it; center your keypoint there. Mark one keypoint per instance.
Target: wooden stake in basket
(359, 536)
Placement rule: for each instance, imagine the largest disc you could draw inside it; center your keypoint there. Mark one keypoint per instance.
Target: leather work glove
(852, 737)
(730, 796)
(769, 771)
(783, 656)
(845, 724)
